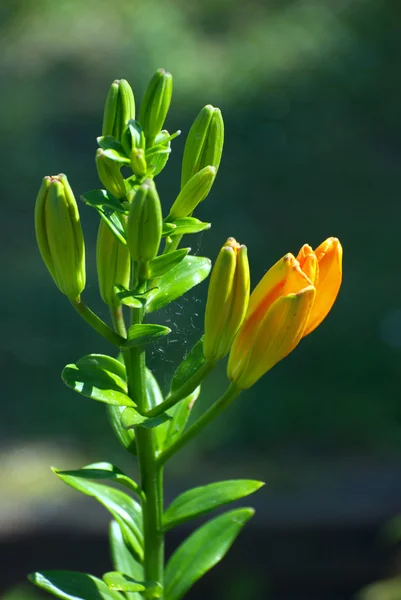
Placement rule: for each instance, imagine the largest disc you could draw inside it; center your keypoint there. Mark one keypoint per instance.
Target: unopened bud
(204, 144)
(110, 175)
(145, 223)
(113, 264)
(59, 235)
(138, 162)
(155, 104)
(119, 108)
(193, 193)
(227, 299)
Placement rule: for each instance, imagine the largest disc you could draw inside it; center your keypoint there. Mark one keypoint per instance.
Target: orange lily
(289, 302)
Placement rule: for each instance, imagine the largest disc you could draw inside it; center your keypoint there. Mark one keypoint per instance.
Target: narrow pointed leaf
(131, 419)
(104, 470)
(201, 500)
(179, 414)
(113, 149)
(187, 225)
(179, 280)
(122, 583)
(155, 397)
(113, 222)
(163, 263)
(101, 199)
(189, 366)
(96, 382)
(72, 585)
(386, 589)
(202, 551)
(126, 511)
(139, 335)
(122, 558)
(168, 228)
(126, 437)
(107, 363)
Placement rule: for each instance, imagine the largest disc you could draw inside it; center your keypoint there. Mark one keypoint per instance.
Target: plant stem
(222, 403)
(117, 317)
(151, 471)
(184, 391)
(95, 322)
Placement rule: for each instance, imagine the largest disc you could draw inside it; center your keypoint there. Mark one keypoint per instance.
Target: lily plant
(142, 268)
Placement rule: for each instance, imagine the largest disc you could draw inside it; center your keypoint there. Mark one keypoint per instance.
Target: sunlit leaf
(123, 560)
(72, 585)
(189, 366)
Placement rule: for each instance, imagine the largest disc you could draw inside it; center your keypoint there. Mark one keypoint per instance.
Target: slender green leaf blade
(202, 551)
(189, 366)
(122, 558)
(187, 225)
(122, 583)
(141, 334)
(107, 363)
(126, 511)
(131, 419)
(97, 383)
(165, 262)
(113, 149)
(155, 397)
(201, 500)
(179, 413)
(100, 199)
(104, 470)
(72, 585)
(191, 271)
(126, 437)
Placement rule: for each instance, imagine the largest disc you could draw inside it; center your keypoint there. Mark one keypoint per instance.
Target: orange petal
(278, 334)
(270, 286)
(308, 263)
(329, 255)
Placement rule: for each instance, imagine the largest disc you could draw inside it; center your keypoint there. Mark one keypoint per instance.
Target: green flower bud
(227, 299)
(138, 162)
(204, 144)
(155, 104)
(193, 193)
(59, 235)
(113, 264)
(145, 223)
(119, 108)
(110, 175)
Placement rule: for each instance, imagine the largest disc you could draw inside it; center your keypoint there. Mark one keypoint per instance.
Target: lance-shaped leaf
(143, 333)
(98, 378)
(126, 437)
(202, 551)
(386, 589)
(201, 500)
(104, 470)
(122, 558)
(179, 413)
(190, 272)
(165, 262)
(72, 585)
(101, 199)
(155, 397)
(126, 511)
(186, 225)
(189, 366)
(130, 419)
(113, 149)
(122, 583)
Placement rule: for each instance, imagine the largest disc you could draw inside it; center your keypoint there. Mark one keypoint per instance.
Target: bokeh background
(311, 93)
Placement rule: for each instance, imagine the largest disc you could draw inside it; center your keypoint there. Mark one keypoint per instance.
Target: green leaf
(125, 510)
(387, 589)
(122, 558)
(113, 222)
(113, 149)
(168, 228)
(97, 380)
(141, 334)
(179, 280)
(126, 437)
(104, 470)
(163, 263)
(179, 413)
(155, 397)
(132, 298)
(189, 366)
(100, 199)
(122, 583)
(71, 585)
(131, 419)
(201, 500)
(202, 551)
(107, 363)
(187, 225)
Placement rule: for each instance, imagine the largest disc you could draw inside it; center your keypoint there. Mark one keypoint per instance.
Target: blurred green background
(310, 93)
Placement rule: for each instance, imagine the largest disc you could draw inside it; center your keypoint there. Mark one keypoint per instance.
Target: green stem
(96, 323)
(232, 392)
(151, 471)
(117, 317)
(184, 391)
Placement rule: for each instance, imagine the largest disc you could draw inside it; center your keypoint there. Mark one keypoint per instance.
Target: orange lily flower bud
(275, 322)
(227, 299)
(323, 266)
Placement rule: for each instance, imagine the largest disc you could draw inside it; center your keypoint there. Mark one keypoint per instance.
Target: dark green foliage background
(310, 93)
